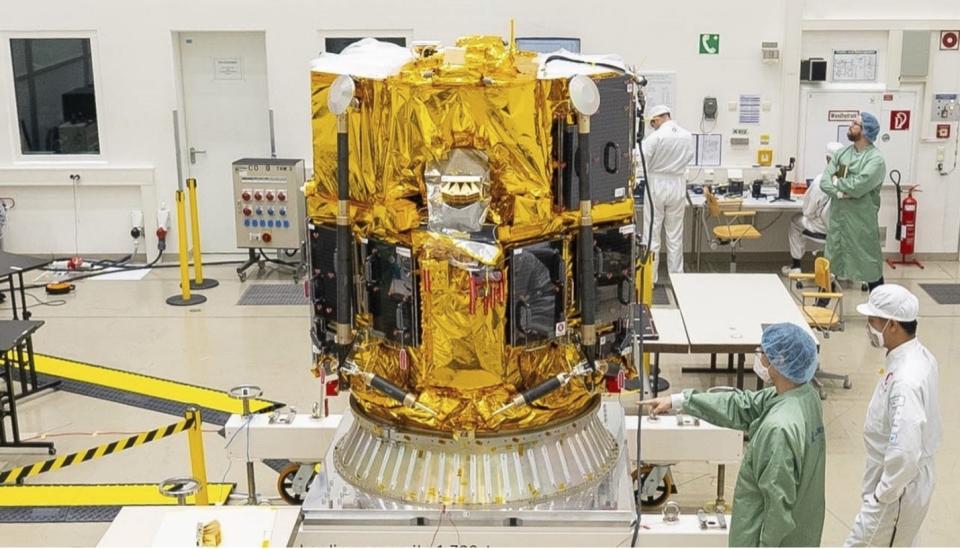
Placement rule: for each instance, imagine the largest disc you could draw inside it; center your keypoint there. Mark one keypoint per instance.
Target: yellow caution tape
(17, 474)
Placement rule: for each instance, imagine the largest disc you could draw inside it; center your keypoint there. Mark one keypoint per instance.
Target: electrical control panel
(945, 108)
(269, 210)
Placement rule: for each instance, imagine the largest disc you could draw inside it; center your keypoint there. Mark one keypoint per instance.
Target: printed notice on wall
(855, 65)
(661, 88)
(229, 68)
(749, 109)
(708, 147)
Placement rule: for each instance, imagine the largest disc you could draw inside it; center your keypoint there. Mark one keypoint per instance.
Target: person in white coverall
(813, 220)
(667, 151)
(902, 431)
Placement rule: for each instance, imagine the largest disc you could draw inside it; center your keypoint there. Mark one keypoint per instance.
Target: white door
(825, 118)
(827, 114)
(226, 117)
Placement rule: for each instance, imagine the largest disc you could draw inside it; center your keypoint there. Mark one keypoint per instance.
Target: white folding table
(726, 312)
(672, 339)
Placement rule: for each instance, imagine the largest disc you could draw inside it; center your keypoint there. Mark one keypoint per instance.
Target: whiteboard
(855, 65)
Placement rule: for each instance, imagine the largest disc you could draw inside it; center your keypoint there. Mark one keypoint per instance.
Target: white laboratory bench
(766, 204)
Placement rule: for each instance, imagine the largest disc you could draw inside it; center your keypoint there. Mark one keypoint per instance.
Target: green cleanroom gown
(853, 234)
(779, 498)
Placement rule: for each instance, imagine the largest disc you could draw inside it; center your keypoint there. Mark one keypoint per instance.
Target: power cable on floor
(152, 265)
(43, 436)
(50, 303)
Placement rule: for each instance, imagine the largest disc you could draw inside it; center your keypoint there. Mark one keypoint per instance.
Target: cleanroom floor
(127, 325)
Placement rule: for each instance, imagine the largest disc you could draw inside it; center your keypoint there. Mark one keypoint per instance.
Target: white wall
(938, 229)
(137, 87)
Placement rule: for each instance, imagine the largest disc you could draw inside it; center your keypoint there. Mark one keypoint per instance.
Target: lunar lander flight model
(473, 286)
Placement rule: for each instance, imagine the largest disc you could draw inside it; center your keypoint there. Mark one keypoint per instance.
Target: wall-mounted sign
(899, 120)
(227, 69)
(842, 116)
(709, 44)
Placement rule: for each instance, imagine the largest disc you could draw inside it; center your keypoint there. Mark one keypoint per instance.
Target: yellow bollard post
(646, 296)
(184, 297)
(198, 282)
(198, 462)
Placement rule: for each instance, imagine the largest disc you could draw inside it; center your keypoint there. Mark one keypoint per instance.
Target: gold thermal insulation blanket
(490, 100)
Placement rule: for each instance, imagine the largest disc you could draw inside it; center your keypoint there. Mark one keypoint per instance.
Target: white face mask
(876, 336)
(762, 371)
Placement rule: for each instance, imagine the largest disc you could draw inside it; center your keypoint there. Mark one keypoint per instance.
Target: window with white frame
(55, 96)
(336, 44)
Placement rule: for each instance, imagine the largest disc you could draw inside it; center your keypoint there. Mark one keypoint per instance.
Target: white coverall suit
(668, 152)
(902, 433)
(813, 220)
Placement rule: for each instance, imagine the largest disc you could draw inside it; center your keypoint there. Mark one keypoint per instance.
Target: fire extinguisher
(906, 232)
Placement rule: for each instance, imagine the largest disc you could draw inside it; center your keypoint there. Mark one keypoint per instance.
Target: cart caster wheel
(261, 265)
(52, 451)
(864, 287)
(242, 276)
(847, 384)
(823, 393)
(285, 485)
(799, 285)
(663, 492)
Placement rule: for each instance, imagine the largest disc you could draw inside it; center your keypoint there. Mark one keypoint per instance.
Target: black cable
(98, 272)
(644, 259)
(50, 303)
(768, 225)
(277, 261)
(97, 265)
(151, 265)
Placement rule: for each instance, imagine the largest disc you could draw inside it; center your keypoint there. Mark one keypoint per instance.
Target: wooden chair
(729, 228)
(823, 310)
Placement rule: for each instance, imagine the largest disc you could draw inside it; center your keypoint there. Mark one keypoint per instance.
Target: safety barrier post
(198, 464)
(646, 297)
(198, 282)
(185, 298)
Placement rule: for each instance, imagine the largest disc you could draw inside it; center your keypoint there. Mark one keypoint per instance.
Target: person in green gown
(779, 497)
(853, 235)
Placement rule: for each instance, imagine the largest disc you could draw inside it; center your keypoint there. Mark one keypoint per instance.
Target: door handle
(193, 154)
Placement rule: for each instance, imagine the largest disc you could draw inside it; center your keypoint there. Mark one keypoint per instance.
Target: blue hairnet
(871, 126)
(791, 351)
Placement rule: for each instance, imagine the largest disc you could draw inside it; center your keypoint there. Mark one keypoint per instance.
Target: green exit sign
(709, 44)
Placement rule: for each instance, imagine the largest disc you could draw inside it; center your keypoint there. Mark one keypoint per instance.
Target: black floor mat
(86, 513)
(943, 294)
